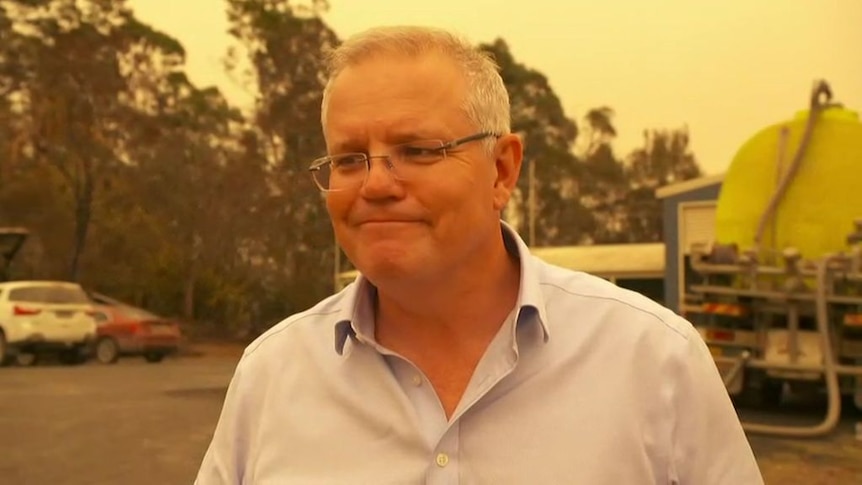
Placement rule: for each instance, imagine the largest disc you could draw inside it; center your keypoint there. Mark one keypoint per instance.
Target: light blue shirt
(586, 383)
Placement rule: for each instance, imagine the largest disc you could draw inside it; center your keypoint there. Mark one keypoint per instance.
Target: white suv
(45, 316)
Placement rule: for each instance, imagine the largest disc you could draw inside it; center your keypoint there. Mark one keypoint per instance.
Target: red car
(125, 330)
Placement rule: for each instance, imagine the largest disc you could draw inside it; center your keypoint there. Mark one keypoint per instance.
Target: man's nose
(381, 180)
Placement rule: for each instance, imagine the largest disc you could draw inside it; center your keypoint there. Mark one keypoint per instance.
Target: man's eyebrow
(348, 145)
(394, 135)
(416, 133)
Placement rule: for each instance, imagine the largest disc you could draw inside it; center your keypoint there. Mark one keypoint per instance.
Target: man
(457, 357)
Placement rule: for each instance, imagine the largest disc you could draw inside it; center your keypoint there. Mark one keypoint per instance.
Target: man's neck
(445, 328)
(465, 310)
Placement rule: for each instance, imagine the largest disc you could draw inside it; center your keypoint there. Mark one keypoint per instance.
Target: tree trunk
(83, 214)
(189, 291)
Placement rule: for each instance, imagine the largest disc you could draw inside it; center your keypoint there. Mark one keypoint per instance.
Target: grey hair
(487, 101)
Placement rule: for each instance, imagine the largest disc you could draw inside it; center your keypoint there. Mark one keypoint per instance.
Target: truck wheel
(771, 392)
(107, 351)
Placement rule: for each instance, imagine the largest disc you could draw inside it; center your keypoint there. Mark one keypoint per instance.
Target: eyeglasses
(406, 161)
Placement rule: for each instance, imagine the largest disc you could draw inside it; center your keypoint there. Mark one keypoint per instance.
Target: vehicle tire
(107, 351)
(771, 392)
(154, 357)
(4, 349)
(72, 357)
(26, 359)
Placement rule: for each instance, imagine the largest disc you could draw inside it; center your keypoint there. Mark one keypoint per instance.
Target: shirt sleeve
(224, 461)
(709, 445)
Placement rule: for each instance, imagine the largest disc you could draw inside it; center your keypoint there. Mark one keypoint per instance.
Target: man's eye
(410, 150)
(350, 162)
(421, 153)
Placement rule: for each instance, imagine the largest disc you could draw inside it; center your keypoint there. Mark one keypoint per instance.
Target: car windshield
(49, 294)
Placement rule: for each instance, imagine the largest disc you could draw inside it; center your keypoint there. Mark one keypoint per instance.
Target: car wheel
(154, 357)
(4, 349)
(26, 359)
(107, 351)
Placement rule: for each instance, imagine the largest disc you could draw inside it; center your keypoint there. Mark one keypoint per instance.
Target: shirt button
(417, 380)
(442, 459)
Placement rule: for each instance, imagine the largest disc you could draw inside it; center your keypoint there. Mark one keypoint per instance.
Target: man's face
(425, 226)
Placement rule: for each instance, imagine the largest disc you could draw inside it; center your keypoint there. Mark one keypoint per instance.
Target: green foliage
(549, 136)
(664, 159)
(285, 48)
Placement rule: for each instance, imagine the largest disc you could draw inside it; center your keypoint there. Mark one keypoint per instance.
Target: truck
(778, 290)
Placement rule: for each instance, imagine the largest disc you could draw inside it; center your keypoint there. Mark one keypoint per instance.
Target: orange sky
(725, 69)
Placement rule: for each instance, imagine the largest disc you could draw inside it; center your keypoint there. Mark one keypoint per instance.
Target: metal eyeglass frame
(318, 164)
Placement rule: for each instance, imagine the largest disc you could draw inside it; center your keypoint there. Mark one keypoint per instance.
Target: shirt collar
(355, 320)
(530, 294)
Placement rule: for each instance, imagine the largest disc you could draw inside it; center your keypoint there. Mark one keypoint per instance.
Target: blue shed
(688, 212)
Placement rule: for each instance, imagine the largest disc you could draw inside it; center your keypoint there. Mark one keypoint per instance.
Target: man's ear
(509, 154)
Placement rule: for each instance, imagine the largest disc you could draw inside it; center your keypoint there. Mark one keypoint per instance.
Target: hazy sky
(726, 69)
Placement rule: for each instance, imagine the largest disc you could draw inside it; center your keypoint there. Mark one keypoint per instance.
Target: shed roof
(608, 260)
(645, 260)
(688, 186)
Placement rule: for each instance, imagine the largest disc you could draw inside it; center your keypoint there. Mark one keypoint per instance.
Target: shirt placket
(441, 435)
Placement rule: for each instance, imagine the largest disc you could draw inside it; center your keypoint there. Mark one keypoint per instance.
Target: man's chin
(387, 268)
(382, 270)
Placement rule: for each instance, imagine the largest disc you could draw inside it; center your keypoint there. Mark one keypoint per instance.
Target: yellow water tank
(817, 211)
